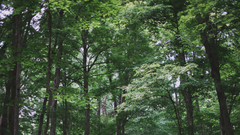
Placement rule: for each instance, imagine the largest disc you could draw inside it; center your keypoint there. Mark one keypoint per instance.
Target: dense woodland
(119, 67)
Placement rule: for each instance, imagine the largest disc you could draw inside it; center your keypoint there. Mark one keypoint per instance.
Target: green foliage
(133, 63)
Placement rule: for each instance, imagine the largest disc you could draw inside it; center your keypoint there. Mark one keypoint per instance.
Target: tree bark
(104, 111)
(186, 92)
(56, 82)
(11, 107)
(198, 109)
(115, 110)
(118, 118)
(177, 115)
(15, 89)
(54, 102)
(213, 57)
(42, 116)
(49, 70)
(188, 101)
(70, 121)
(64, 118)
(4, 121)
(99, 109)
(55, 87)
(85, 77)
(176, 96)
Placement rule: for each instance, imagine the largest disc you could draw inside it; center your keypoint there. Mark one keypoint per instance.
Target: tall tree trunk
(4, 122)
(99, 114)
(18, 73)
(15, 89)
(99, 109)
(54, 102)
(123, 115)
(55, 87)
(198, 109)
(213, 54)
(186, 92)
(176, 100)
(115, 110)
(188, 101)
(177, 114)
(48, 109)
(87, 111)
(56, 82)
(64, 118)
(85, 86)
(42, 116)
(123, 126)
(11, 107)
(118, 118)
(49, 69)
(70, 121)
(65, 109)
(6, 98)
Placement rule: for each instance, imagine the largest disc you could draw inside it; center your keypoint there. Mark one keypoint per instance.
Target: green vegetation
(109, 67)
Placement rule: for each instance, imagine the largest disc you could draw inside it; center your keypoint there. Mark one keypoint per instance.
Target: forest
(119, 67)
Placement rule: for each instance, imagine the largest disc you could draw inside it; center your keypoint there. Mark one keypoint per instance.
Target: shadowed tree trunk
(188, 101)
(85, 86)
(213, 56)
(70, 121)
(186, 92)
(15, 89)
(4, 115)
(56, 85)
(118, 118)
(42, 116)
(49, 70)
(64, 118)
(99, 109)
(198, 109)
(4, 120)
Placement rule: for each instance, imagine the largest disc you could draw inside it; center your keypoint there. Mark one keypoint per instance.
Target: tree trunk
(211, 50)
(186, 92)
(104, 111)
(176, 96)
(99, 109)
(85, 76)
(123, 116)
(15, 89)
(64, 118)
(56, 82)
(42, 116)
(11, 107)
(188, 100)
(4, 120)
(55, 87)
(18, 74)
(70, 121)
(49, 70)
(115, 110)
(198, 109)
(4, 115)
(118, 118)
(54, 102)
(176, 113)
